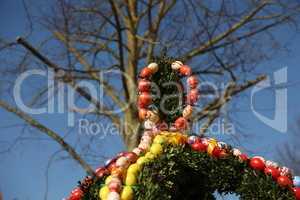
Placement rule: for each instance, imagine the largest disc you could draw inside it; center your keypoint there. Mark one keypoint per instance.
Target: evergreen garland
(173, 166)
(181, 174)
(161, 80)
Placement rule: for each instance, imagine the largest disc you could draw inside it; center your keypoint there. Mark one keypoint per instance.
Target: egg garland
(121, 175)
(145, 101)
(157, 167)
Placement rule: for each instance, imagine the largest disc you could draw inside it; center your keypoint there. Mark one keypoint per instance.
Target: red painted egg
(199, 146)
(76, 194)
(272, 171)
(257, 164)
(144, 86)
(185, 70)
(243, 157)
(297, 192)
(193, 82)
(101, 171)
(144, 100)
(217, 152)
(192, 96)
(181, 123)
(114, 187)
(112, 166)
(284, 181)
(146, 73)
(132, 157)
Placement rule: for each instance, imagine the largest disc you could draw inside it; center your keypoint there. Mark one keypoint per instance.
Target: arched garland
(171, 165)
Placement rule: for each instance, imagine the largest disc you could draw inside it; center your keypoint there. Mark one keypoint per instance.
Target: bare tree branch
(225, 34)
(109, 90)
(101, 108)
(211, 110)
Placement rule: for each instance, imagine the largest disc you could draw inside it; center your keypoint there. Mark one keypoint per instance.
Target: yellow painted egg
(210, 148)
(141, 160)
(134, 169)
(103, 193)
(149, 156)
(108, 179)
(159, 139)
(130, 179)
(127, 193)
(156, 149)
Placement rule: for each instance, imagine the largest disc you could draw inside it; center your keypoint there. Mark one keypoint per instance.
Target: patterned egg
(115, 186)
(113, 196)
(113, 179)
(148, 125)
(192, 139)
(144, 145)
(176, 65)
(137, 151)
(222, 145)
(146, 138)
(153, 67)
(270, 163)
(236, 152)
(147, 133)
(192, 81)
(122, 162)
(187, 112)
(205, 141)
(284, 171)
(152, 116)
(172, 128)
(163, 126)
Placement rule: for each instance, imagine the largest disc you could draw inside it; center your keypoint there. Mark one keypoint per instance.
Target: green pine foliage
(183, 174)
(170, 96)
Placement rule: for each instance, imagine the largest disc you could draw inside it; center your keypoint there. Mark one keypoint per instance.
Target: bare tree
(224, 40)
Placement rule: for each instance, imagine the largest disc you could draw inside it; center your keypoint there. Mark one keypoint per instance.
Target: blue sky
(22, 171)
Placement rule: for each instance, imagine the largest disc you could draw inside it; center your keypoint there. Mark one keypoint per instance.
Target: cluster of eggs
(122, 172)
(151, 118)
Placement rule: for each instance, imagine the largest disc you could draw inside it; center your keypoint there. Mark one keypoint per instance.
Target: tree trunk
(131, 130)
